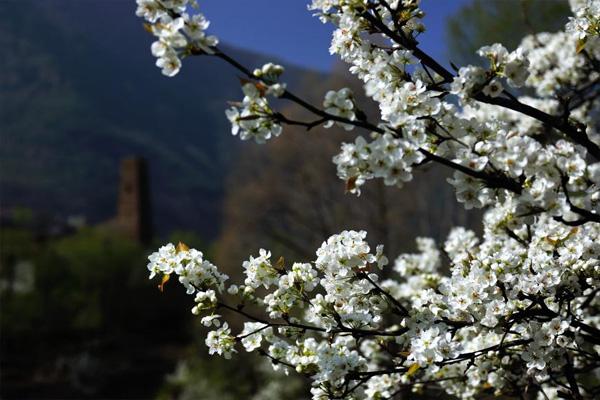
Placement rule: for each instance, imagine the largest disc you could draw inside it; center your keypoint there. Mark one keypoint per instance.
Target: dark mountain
(79, 91)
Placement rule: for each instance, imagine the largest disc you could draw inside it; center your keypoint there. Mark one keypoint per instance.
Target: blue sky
(286, 29)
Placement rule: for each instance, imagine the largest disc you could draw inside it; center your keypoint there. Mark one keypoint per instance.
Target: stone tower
(133, 208)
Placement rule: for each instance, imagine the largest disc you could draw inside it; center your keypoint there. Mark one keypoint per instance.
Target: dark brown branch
(588, 215)
(493, 181)
(292, 97)
(353, 331)
(577, 134)
(391, 298)
(359, 123)
(570, 374)
(500, 346)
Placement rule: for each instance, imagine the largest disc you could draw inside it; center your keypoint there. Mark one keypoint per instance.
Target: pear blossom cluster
(500, 318)
(254, 118)
(514, 310)
(221, 342)
(502, 64)
(556, 64)
(341, 104)
(292, 287)
(178, 33)
(486, 294)
(194, 272)
(586, 21)
(199, 276)
(259, 271)
(384, 157)
(511, 65)
(348, 302)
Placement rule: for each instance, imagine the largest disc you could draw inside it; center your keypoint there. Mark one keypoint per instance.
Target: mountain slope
(79, 91)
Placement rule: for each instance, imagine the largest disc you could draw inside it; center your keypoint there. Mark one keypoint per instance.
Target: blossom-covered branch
(519, 308)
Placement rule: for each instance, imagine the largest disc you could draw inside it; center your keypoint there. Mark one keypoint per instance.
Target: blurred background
(102, 159)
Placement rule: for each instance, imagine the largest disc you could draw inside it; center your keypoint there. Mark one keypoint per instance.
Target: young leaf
(580, 45)
(412, 370)
(182, 247)
(164, 280)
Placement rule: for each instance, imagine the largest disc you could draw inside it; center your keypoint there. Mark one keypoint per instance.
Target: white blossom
(499, 313)
(340, 104)
(221, 342)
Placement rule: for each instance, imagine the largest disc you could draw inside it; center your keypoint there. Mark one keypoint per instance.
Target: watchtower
(133, 208)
